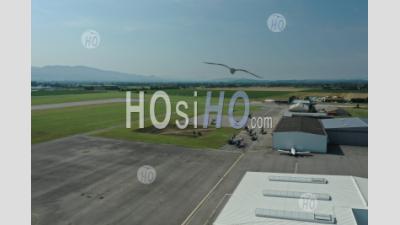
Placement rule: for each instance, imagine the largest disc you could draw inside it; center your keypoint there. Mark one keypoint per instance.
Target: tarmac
(85, 180)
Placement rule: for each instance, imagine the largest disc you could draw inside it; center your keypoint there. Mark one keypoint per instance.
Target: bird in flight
(233, 70)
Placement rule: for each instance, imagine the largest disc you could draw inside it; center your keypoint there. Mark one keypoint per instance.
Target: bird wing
(249, 73)
(217, 64)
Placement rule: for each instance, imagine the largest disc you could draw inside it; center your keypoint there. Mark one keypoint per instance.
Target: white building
(297, 199)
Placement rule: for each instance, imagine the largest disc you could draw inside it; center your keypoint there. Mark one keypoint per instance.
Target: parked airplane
(294, 152)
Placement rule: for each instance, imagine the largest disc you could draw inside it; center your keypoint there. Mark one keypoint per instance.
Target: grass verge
(358, 112)
(57, 123)
(213, 139)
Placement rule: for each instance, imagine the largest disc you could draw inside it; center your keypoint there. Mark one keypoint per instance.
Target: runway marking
(296, 167)
(216, 208)
(186, 221)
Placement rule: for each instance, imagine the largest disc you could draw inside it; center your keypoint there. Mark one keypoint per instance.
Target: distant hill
(84, 73)
(237, 80)
(59, 73)
(286, 82)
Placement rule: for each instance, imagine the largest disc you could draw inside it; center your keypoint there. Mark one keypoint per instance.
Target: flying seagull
(233, 70)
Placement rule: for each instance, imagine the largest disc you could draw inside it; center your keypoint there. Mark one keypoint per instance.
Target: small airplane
(294, 152)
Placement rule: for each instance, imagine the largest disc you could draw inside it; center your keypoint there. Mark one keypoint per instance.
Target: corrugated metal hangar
(313, 135)
(302, 133)
(346, 131)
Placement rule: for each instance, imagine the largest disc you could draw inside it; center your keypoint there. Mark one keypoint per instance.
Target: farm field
(262, 88)
(346, 95)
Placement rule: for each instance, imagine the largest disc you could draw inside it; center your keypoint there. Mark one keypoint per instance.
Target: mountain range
(84, 73)
(60, 73)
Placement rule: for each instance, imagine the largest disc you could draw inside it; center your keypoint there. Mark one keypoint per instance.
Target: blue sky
(171, 38)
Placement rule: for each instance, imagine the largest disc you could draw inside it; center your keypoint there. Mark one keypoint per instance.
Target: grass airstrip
(108, 120)
(56, 123)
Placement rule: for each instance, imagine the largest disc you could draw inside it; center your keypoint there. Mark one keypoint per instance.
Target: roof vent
(293, 215)
(296, 194)
(314, 180)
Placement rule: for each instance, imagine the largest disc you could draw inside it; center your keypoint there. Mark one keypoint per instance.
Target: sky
(172, 38)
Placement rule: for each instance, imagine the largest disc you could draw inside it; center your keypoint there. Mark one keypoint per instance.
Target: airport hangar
(347, 131)
(302, 133)
(291, 199)
(311, 134)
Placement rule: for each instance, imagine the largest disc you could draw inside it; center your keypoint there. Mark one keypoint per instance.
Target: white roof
(296, 101)
(287, 113)
(350, 122)
(347, 193)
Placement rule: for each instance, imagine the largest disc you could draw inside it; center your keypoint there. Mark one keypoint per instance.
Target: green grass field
(63, 92)
(61, 97)
(213, 139)
(51, 97)
(56, 123)
(73, 97)
(358, 112)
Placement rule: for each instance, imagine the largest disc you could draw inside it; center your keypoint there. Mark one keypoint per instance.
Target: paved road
(81, 103)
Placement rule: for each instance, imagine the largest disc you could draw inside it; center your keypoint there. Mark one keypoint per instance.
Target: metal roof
(287, 113)
(296, 101)
(302, 124)
(340, 123)
(249, 206)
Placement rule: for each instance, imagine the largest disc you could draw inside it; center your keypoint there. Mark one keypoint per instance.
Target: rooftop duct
(296, 194)
(299, 216)
(314, 180)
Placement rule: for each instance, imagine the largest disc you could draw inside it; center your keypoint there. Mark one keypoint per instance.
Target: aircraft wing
(303, 153)
(283, 151)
